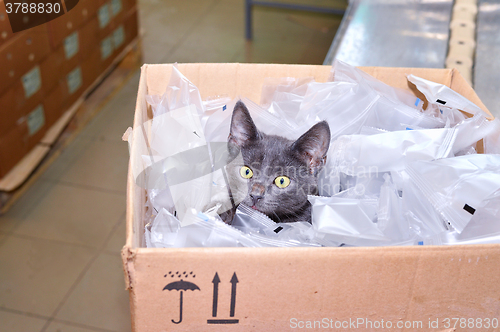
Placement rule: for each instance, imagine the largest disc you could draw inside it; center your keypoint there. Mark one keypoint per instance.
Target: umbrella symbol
(181, 285)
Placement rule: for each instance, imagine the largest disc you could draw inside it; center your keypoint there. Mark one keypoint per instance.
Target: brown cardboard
(55, 103)
(5, 29)
(22, 103)
(282, 289)
(55, 67)
(21, 53)
(12, 147)
(38, 129)
(88, 37)
(70, 22)
(8, 112)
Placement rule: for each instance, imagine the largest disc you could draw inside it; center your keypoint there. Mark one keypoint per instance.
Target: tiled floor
(60, 266)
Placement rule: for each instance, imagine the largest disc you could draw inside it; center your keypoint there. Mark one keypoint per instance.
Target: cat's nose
(255, 198)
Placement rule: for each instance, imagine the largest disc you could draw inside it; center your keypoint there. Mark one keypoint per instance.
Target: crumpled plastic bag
(396, 174)
(458, 186)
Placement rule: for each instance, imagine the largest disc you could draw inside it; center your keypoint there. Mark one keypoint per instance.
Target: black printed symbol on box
(216, 281)
(182, 286)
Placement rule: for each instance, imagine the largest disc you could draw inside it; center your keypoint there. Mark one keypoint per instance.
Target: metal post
(248, 19)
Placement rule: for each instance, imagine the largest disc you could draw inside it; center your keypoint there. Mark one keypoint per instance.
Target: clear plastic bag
(283, 89)
(343, 72)
(346, 220)
(436, 93)
(390, 215)
(457, 186)
(423, 220)
(391, 171)
(260, 227)
(492, 140)
(359, 154)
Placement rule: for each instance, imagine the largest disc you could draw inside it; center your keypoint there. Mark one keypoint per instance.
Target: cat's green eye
(246, 172)
(282, 182)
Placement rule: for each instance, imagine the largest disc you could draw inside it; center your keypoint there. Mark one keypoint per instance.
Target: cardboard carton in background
(59, 59)
(282, 289)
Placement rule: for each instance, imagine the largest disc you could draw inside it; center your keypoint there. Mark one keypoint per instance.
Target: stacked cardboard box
(44, 70)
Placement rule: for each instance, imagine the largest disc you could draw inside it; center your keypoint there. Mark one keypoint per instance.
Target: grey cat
(272, 174)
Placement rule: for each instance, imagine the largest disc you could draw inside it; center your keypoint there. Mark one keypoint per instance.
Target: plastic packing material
(347, 220)
(344, 72)
(443, 95)
(260, 227)
(390, 116)
(471, 130)
(248, 218)
(351, 103)
(363, 187)
(367, 130)
(358, 154)
(343, 105)
(217, 125)
(389, 214)
(467, 151)
(485, 221)
(163, 230)
(450, 116)
(491, 141)
(347, 107)
(392, 209)
(482, 229)
(453, 238)
(457, 186)
(180, 157)
(274, 89)
(202, 231)
(369, 184)
(422, 219)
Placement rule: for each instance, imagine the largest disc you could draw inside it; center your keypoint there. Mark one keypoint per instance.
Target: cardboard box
(21, 53)
(12, 147)
(281, 289)
(55, 103)
(5, 28)
(28, 91)
(8, 112)
(55, 67)
(70, 22)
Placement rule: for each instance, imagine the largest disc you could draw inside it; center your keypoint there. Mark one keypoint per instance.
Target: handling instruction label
(186, 283)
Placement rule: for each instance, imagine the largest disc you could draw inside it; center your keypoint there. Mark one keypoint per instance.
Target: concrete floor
(60, 266)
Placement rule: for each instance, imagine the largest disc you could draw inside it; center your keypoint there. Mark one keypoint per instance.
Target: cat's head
(273, 174)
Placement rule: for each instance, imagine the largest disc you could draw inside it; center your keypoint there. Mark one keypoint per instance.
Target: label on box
(116, 7)
(71, 45)
(32, 82)
(106, 47)
(103, 15)
(36, 120)
(74, 79)
(118, 36)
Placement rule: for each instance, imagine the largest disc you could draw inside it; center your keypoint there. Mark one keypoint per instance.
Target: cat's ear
(312, 146)
(243, 130)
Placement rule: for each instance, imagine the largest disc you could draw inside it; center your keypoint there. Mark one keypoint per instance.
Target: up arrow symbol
(234, 281)
(216, 282)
